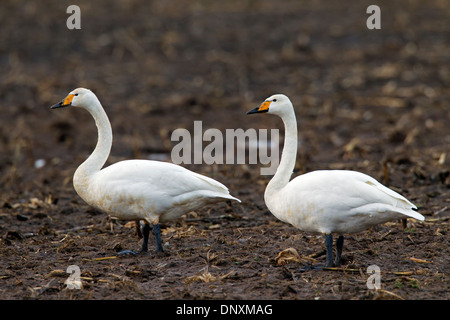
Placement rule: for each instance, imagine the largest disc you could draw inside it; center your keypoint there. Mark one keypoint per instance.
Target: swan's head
(277, 104)
(80, 97)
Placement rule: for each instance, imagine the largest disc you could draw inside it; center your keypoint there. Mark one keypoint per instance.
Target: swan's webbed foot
(309, 268)
(130, 252)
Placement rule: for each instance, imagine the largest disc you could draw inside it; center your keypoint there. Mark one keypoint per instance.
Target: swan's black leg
(329, 261)
(339, 246)
(329, 246)
(157, 233)
(145, 233)
(144, 247)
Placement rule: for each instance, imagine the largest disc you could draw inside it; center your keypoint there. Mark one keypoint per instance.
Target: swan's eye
(76, 94)
(274, 100)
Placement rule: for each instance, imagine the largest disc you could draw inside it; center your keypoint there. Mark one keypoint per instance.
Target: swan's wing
(363, 178)
(161, 178)
(383, 198)
(353, 191)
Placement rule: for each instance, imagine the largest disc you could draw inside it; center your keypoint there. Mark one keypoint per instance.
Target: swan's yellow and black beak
(264, 107)
(65, 103)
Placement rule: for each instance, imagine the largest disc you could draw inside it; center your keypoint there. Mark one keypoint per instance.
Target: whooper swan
(326, 201)
(147, 190)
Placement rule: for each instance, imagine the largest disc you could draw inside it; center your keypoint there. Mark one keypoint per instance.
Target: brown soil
(376, 101)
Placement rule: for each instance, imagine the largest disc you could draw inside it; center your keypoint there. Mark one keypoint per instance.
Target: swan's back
(164, 176)
(339, 201)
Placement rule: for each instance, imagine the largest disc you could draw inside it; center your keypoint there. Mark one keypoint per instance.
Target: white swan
(146, 190)
(326, 201)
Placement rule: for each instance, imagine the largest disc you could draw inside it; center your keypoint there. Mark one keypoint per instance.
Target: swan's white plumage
(150, 190)
(146, 190)
(338, 201)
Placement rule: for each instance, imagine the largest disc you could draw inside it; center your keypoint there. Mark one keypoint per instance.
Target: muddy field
(376, 101)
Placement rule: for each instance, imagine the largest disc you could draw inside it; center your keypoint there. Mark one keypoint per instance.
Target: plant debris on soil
(375, 101)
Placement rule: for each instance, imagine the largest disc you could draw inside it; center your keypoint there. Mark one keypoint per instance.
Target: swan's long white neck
(97, 159)
(288, 156)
